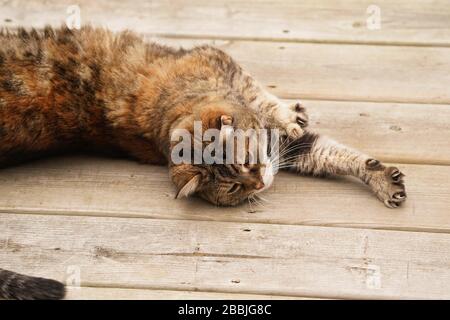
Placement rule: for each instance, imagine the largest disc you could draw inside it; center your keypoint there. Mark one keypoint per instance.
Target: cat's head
(231, 182)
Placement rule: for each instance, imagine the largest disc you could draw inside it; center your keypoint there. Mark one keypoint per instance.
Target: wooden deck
(114, 225)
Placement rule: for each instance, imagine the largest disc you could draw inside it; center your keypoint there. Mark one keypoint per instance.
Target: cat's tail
(21, 287)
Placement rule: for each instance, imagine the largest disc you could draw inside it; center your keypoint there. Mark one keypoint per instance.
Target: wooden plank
(405, 133)
(341, 72)
(89, 293)
(424, 22)
(228, 257)
(107, 187)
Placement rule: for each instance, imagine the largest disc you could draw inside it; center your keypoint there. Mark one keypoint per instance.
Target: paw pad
(392, 204)
(387, 183)
(399, 195)
(302, 117)
(396, 175)
(302, 122)
(294, 120)
(393, 189)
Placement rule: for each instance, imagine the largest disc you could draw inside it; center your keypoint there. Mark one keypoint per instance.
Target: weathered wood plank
(89, 293)
(405, 133)
(228, 257)
(341, 72)
(92, 186)
(402, 22)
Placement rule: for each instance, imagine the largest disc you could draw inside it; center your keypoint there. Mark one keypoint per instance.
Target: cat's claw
(301, 115)
(294, 119)
(387, 183)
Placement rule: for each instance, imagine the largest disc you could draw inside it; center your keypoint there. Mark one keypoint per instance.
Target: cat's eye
(235, 187)
(252, 169)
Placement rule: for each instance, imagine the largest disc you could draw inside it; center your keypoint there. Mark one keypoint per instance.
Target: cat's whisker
(252, 201)
(255, 199)
(291, 149)
(289, 161)
(295, 156)
(261, 198)
(286, 166)
(250, 204)
(295, 147)
(285, 144)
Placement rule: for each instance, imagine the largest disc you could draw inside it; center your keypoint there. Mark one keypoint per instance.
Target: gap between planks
(282, 40)
(95, 292)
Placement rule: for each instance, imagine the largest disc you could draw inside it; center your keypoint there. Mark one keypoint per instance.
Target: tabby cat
(63, 89)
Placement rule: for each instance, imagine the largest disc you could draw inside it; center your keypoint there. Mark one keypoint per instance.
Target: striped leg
(318, 155)
(289, 118)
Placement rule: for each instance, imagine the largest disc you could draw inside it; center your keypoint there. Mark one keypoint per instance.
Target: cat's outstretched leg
(291, 118)
(319, 155)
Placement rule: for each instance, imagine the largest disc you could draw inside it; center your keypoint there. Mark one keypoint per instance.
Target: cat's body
(63, 89)
(91, 87)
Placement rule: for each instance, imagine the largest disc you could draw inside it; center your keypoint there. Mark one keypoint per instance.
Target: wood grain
(386, 130)
(90, 293)
(424, 22)
(228, 257)
(341, 72)
(107, 187)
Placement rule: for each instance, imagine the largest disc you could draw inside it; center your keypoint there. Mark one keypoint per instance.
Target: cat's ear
(190, 187)
(216, 119)
(225, 120)
(187, 178)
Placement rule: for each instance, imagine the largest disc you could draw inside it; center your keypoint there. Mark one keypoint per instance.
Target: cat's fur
(18, 286)
(63, 89)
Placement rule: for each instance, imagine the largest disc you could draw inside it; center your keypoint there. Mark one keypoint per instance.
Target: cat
(62, 89)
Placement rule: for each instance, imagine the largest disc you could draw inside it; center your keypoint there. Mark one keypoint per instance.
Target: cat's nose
(259, 185)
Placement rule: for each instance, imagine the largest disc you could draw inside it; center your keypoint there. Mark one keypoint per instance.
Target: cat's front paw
(387, 183)
(301, 117)
(294, 119)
